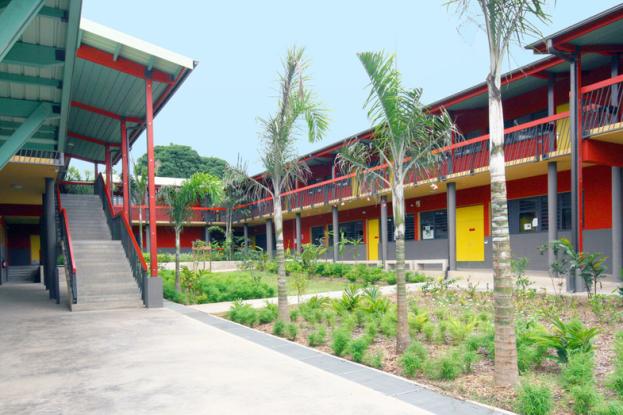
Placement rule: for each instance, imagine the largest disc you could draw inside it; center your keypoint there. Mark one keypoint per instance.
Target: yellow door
(470, 233)
(35, 246)
(563, 134)
(372, 232)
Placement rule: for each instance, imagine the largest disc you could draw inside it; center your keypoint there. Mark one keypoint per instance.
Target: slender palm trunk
(506, 371)
(398, 206)
(177, 259)
(282, 292)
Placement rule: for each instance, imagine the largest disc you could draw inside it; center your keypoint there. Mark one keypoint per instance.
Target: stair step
(107, 305)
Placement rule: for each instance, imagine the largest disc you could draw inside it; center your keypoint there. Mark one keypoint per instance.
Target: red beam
(122, 64)
(602, 152)
(90, 139)
(105, 113)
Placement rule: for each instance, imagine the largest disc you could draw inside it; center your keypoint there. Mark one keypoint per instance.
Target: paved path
(162, 361)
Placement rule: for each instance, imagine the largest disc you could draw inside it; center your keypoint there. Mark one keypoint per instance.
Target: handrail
(63, 212)
(601, 84)
(69, 250)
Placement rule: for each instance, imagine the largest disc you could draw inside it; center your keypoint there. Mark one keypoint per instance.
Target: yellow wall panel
(372, 232)
(470, 233)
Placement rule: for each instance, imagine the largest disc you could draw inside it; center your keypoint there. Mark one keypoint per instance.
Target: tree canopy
(176, 160)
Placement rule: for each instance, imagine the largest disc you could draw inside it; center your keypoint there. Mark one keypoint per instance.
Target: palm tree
(234, 194)
(296, 105)
(139, 193)
(504, 21)
(404, 141)
(180, 201)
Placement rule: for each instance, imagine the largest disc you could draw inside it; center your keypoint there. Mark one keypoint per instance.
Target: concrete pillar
(451, 212)
(552, 210)
(297, 223)
(617, 225)
(51, 242)
(573, 114)
(336, 233)
(44, 242)
(269, 238)
(384, 236)
(245, 230)
(206, 234)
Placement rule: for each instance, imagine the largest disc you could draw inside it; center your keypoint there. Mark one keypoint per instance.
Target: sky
(240, 46)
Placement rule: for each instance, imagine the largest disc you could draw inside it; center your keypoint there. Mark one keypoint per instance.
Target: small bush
(388, 325)
(533, 400)
(530, 356)
(413, 359)
(608, 408)
(358, 349)
(443, 368)
(279, 328)
(317, 337)
(374, 360)
(578, 370)
(268, 314)
(291, 331)
(615, 381)
(467, 358)
(340, 341)
(585, 398)
(428, 329)
(566, 338)
(243, 314)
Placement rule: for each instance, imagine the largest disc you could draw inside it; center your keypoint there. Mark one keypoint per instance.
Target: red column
(108, 169)
(578, 64)
(125, 168)
(151, 185)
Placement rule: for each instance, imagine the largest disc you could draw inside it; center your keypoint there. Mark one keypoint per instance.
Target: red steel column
(125, 168)
(151, 185)
(108, 170)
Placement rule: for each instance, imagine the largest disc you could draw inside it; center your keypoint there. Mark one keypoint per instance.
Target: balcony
(546, 138)
(199, 214)
(601, 110)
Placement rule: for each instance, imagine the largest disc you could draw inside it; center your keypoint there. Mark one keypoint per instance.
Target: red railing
(70, 263)
(601, 106)
(542, 138)
(199, 213)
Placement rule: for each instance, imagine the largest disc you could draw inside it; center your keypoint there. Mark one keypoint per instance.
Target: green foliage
(608, 408)
(176, 160)
(428, 329)
(533, 399)
(417, 321)
(445, 367)
(413, 359)
(243, 314)
(317, 337)
(388, 324)
(459, 330)
(615, 380)
(309, 256)
(301, 283)
(291, 331)
(374, 302)
(340, 341)
(585, 398)
(358, 348)
(578, 370)
(374, 360)
(268, 314)
(566, 337)
(279, 328)
(190, 283)
(350, 299)
(294, 315)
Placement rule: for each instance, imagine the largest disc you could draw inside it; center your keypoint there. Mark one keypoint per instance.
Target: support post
(451, 213)
(153, 284)
(125, 169)
(617, 193)
(297, 221)
(336, 233)
(269, 238)
(575, 201)
(384, 236)
(552, 181)
(206, 234)
(107, 160)
(245, 230)
(96, 170)
(50, 234)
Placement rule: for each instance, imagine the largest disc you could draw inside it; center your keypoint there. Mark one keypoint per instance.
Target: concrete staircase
(103, 273)
(22, 273)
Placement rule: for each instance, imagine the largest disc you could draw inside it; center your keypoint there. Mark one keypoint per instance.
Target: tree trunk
(398, 206)
(177, 259)
(282, 292)
(506, 371)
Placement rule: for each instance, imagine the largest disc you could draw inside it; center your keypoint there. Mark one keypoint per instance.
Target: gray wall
(348, 253)
(600, 240)
(429, 249)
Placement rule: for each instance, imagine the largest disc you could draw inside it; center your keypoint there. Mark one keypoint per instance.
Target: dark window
(530, 214)
(526, 134)
(434, 225)
(317, 235)
(564, 211)
(349, 230)
(409, 228)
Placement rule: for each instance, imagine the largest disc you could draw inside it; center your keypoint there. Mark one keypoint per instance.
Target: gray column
(617, 226)
(451, 212)
(51, 242)
(336, 233)
(297, 224)
(573, 114)
(384, 236)
(269, 238)
(206, 234)
(552, 210)
(245, 230)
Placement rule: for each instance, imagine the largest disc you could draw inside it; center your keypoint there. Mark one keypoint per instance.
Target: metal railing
(120, 229)
(601, 106)
(79, 187)
(199, 213)
(68, 252)
(45, 157)
(532, 141)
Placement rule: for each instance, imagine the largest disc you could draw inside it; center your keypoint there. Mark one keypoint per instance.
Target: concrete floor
(155, 361)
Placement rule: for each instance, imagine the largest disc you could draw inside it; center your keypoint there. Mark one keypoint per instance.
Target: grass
(315, 285)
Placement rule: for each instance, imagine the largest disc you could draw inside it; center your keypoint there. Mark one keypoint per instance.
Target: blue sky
(240, 44)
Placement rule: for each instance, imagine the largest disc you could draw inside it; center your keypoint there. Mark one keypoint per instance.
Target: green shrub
(340, 341)
(268, 314)
(417, 321)
(459, 330)
(530, 356)
(294, 315)
(413, 359)
(467, 358)
(446, 367)
(243, 314)
(374, 302)
(317, 337)
(358, 348)
(279, 328)
(615, 381)
(585, 398)
(608, 408)
(429, 331)
(291, 331)
(374, 360)
(533, 399)
(388, 325)
(566, 338)
(578, 370)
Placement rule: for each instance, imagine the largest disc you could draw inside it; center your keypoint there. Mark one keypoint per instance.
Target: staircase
(103, 273)
(22, 273)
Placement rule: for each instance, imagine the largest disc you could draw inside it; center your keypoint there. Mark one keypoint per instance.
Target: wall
(3, 251)
(18, 243)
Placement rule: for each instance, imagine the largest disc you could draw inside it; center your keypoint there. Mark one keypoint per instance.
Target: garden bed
(452, 344)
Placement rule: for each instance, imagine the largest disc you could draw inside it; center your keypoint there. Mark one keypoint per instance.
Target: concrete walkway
(157, 361)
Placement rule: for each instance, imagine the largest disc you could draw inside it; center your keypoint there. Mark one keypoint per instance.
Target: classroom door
(372, 233)
(35, 247)
(470, 233)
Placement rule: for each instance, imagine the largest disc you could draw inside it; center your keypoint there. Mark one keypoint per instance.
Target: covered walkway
(155, 361)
